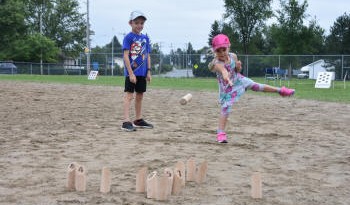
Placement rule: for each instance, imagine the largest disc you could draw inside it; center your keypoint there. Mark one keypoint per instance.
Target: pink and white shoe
(221, 137)
(286, 92)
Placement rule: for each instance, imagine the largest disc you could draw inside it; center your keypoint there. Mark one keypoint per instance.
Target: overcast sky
(177, 22)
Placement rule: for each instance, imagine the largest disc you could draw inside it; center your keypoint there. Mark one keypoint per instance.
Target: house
(118, 61)
(312, 69)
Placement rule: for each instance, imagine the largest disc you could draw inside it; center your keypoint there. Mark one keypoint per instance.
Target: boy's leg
(128, 97)
(127, 125)
(127, 102)
(140, 88)
(138, 105)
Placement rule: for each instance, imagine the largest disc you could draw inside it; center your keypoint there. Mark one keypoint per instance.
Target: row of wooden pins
(76, 178)
(160, 186)
(153, 184)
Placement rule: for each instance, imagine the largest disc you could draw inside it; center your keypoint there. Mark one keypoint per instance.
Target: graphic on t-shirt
(137, 53)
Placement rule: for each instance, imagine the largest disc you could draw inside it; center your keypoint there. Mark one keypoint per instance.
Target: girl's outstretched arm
(225, 75)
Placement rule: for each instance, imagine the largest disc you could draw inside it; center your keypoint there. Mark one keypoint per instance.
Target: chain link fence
(196, 64)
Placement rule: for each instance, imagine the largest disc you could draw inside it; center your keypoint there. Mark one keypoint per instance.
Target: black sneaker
(143, 124)
(127, 126)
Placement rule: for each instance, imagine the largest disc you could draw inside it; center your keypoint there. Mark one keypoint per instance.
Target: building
(312, 69)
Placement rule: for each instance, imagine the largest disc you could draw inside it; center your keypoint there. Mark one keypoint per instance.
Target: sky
(173, 24)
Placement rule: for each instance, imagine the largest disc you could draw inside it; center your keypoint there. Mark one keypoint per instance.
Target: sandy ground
(301, 148)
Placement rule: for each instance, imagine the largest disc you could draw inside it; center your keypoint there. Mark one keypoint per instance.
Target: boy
(137, 70)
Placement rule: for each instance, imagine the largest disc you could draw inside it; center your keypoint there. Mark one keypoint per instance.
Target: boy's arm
(128, 66)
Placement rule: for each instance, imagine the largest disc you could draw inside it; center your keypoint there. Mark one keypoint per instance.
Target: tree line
(34, 30)
(245, 23)
(54, 30)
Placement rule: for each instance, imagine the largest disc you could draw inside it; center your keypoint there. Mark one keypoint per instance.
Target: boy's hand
(132, 78)
(149, 77)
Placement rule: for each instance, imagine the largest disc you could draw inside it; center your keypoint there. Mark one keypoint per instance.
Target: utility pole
(160, 57)
(112, 54)
(87, 38)
(41, 33)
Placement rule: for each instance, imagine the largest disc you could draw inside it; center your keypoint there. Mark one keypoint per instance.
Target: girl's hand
(226, 77)
(238, 67)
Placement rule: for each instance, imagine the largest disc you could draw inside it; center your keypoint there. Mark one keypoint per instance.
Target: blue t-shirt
(139, 49)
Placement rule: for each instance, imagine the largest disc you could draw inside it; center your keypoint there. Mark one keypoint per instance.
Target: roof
(320, 62)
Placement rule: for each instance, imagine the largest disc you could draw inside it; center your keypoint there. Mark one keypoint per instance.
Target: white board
(324, 79)
(93, 74)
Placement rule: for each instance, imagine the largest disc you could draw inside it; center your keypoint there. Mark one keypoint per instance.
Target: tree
(247, 17)
(34, 48)
(227, 29)
(234, 36)
(338, 41)
(117, 47)
(290, 34)
(12, 26)
(60, 21)
(215, 30)
(314, 38)
(288, 31)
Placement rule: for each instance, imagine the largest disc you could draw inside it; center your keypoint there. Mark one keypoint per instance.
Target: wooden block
(105, 180)
(80, 179)
(170, 174)
(71, 176)
(162, 188)
(151, 185)
(190, 170)
(181, 167)
(201, 172)
(256, 185)
(141, 178)
(179, 177)
(185, 99)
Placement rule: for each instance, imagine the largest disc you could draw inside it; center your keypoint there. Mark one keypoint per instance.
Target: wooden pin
(141, 178)
(71, 176)
(170, 174)
(80, 179)
(185, 99)
(151, 185)
(105, 180)
(256, 185)
(178, 180)
(162, 188)
(181, 167)
(190, 170)
(201, 172)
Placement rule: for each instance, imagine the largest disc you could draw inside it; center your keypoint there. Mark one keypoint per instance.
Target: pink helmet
(219, 41)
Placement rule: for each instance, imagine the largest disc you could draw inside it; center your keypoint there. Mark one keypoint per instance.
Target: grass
(305, 88)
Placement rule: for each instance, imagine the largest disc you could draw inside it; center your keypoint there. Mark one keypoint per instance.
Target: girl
(232, 84)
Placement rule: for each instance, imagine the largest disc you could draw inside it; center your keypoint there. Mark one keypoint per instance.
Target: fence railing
(253, 65)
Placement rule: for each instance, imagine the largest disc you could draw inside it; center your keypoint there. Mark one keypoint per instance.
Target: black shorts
(139, 87)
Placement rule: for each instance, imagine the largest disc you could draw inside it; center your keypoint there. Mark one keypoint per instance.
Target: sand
(300, 147)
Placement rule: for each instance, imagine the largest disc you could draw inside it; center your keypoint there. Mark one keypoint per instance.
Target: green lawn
(305, 88)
